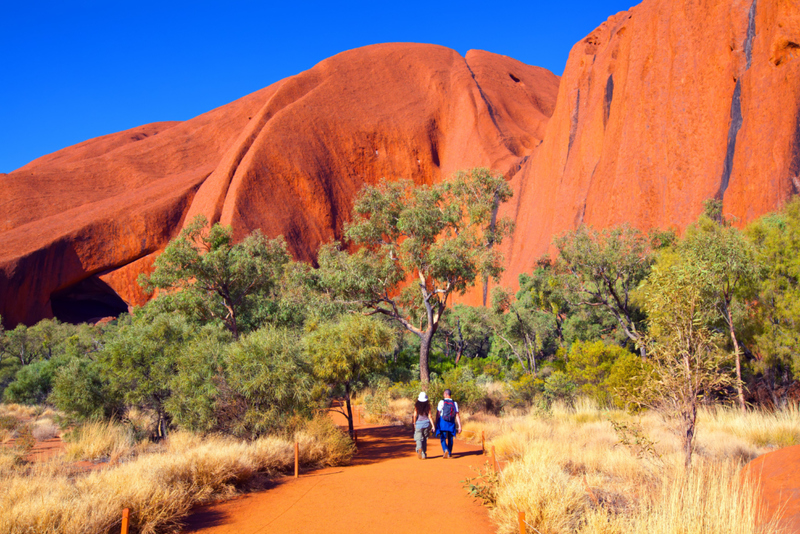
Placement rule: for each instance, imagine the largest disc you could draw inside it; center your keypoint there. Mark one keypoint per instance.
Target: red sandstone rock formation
(80, 224)
(660, 108)
(776, 475)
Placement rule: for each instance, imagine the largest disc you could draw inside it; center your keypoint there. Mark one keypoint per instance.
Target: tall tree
(603, 268)
(728, 262)
(684, 347)
(216, 278)
(417, 246)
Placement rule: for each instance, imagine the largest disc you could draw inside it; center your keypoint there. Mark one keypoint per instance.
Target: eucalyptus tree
(728, 262)
(603, 268)
(415, 247)
(678, 296)
(211, 277)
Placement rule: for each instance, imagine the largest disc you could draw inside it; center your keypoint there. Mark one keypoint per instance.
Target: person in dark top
(423, 424)
(448, 423)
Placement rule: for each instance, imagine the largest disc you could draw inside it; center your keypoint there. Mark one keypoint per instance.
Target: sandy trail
(387, 489)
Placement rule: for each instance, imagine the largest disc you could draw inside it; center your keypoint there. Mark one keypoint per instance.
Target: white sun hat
(422, 397)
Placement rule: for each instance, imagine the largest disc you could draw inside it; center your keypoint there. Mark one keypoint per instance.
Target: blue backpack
(449, 410)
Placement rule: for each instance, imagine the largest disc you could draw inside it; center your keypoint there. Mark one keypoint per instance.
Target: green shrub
(558, 386)
(589, 366)
(32, 383)
(525, 390)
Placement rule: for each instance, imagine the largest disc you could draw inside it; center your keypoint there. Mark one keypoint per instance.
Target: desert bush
(32, 383)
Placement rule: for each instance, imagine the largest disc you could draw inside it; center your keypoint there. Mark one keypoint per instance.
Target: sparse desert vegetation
(586, 469)
(159, 482)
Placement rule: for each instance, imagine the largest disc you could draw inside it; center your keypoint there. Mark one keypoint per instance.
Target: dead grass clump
(322, 443)
(44, 429)
(98, 439)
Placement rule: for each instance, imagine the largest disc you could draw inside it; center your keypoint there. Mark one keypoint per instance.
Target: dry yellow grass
(569, 473)
(158, 483)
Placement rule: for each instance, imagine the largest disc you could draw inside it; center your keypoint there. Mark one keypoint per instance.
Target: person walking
(423, 425)
(448, 423)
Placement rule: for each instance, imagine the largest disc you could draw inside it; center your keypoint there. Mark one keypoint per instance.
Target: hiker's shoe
(422, 455)
(446, 454)
(419, 455)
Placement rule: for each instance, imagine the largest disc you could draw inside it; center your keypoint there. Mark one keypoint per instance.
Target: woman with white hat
(423, 424)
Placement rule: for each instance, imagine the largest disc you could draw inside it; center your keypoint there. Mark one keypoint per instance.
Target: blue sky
(71, 71)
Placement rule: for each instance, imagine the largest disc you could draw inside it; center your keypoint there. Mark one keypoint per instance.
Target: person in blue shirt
(448, 423)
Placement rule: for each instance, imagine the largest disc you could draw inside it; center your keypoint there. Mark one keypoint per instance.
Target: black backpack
(449, 410)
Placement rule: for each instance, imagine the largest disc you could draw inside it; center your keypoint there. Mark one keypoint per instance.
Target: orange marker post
(483, 442)
(296, 460)
(126, 514)
(521, 523)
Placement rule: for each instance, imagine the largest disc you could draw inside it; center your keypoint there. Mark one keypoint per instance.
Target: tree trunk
(349, 409)
(424, 353)
(736, 355)
(689, 417)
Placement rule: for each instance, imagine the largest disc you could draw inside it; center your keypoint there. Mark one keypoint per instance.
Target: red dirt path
(387, 489)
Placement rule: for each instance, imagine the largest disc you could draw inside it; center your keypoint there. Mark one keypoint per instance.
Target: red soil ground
(387, 489)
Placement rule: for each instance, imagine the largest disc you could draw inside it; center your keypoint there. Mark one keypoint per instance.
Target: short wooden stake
(521, 516)
(483, 442)
(494, 460)
(296, 460)
(126, 514)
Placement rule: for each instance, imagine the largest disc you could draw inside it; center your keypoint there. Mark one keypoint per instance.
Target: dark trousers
(447, 441)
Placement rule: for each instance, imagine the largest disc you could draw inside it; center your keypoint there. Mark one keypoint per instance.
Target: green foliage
(484, 486)
(590, 366)
(777, 241)
(270, 383)
(525, 390)
(628, 381)
(559, 387)
(345, 352)
(32, 383)
(197, 398)
(687, 361)
(140, 359)
(442, 236)
(80, 390)
(602, 269)
(217, 279)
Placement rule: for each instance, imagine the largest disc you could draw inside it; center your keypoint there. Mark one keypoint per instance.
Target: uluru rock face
(660, 108)
(79, 225)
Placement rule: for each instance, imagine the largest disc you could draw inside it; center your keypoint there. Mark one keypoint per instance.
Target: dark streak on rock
(751, 33)
(733, 131)
(609, 98)
(573, 126)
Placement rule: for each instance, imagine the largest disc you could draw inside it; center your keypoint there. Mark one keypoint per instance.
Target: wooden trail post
(483, 442)
(521, 516)
(494, 460)
(126, 514)
(296, 460)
